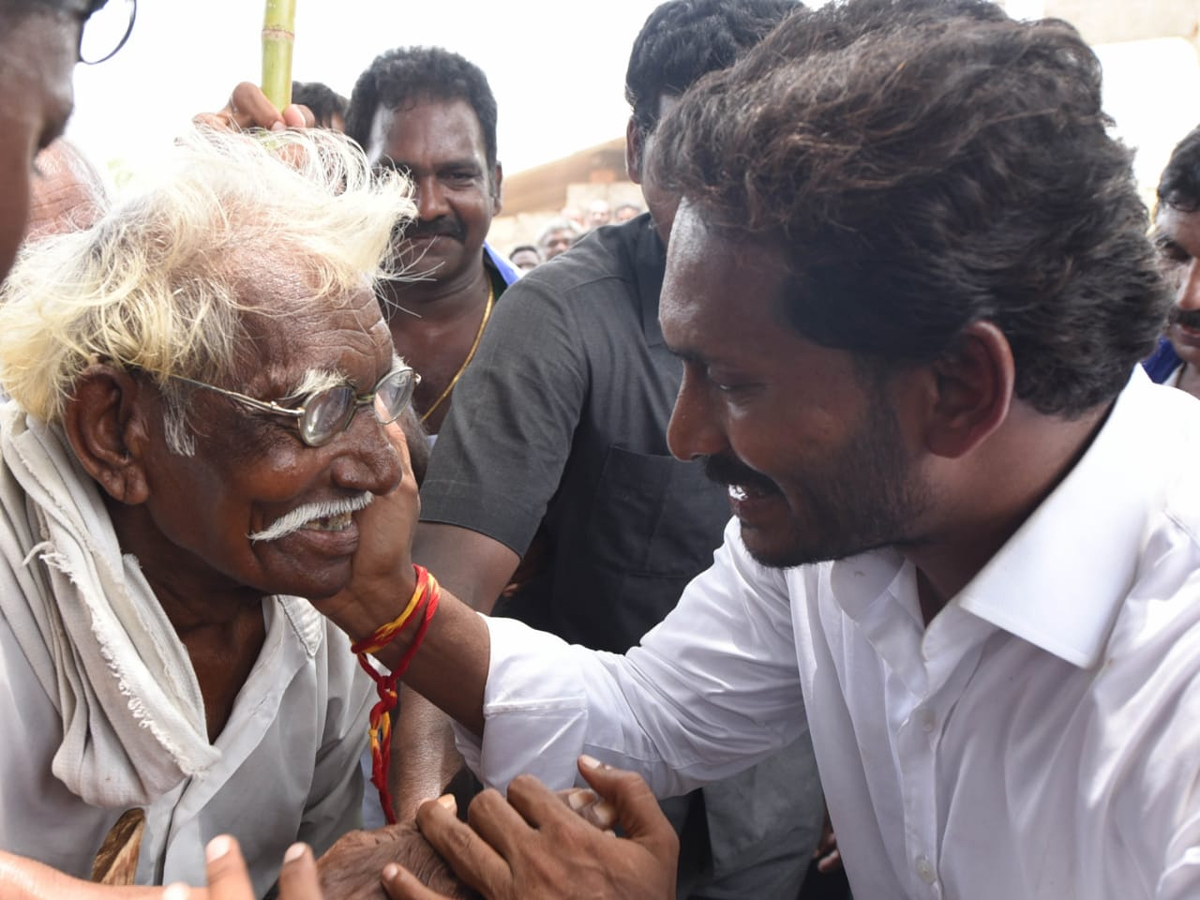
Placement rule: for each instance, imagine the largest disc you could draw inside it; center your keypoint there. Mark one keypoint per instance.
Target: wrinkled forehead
(288, 319)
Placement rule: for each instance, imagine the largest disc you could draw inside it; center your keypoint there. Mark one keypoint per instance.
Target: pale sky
(557, 68)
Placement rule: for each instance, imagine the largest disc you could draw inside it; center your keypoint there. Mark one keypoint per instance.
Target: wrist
(362, 611)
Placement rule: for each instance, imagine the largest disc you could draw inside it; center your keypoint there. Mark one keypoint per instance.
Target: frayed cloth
(92, 630)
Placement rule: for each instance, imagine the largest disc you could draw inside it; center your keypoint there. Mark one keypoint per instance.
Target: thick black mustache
(442, 226)
(726, 470)
(1188, 318)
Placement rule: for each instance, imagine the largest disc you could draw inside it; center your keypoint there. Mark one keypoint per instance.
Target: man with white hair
(197, 387)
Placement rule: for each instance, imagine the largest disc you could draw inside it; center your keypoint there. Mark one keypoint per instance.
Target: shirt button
(927, 719)
(925, 870)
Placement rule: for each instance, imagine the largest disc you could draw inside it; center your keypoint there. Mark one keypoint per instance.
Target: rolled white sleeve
(711, 690)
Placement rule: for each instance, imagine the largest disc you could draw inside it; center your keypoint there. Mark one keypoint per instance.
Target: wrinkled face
(525, 260)
(250, 469)
(37, 56)
(1177, 237)
(439, 144)
(557, 242)
(806, 440)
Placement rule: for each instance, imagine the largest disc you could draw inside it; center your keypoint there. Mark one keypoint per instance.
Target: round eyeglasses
(323, 415)
(106, 29)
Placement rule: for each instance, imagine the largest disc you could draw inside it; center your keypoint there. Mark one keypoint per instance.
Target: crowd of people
(316, 507)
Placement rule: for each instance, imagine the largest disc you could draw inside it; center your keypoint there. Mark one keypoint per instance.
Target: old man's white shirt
(1039, 739)
(288, 766)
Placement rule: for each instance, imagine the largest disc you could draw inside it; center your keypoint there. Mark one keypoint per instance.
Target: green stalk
(278, 36)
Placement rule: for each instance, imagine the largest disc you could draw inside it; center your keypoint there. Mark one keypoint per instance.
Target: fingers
(401, 884)
(297, 116)
(499, 823)
(298, 878)
(467, 854)
(226, 871)
(637, 808)
(590, 807)
(830, 862)
(250, 108)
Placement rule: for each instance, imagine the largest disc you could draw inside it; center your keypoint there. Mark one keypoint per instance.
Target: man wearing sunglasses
(191, 436)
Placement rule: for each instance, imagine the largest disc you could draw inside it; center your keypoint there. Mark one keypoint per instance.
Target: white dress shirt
(288, 768)
(1039, 739)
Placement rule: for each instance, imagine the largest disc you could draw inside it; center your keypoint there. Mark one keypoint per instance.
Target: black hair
(521, 247)
(922, 165)
(323, 100)
(684, 39)
(416, 73)
(1179, 185)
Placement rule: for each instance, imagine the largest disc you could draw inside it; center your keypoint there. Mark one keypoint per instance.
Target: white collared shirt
(1039, 739)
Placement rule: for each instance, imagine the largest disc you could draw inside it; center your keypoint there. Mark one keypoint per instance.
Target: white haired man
(189, 439)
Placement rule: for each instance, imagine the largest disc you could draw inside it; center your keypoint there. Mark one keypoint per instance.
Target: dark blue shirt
(1162, 362)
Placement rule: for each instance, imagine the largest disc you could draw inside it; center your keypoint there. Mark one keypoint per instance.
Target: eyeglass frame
(299, 412)
(133, 9)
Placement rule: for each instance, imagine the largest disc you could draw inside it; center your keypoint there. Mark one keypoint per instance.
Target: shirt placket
(949, 651)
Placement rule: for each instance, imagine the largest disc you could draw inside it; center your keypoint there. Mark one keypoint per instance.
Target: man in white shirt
(910, 284)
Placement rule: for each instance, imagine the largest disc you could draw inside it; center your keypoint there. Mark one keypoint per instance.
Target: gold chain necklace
(487, 314)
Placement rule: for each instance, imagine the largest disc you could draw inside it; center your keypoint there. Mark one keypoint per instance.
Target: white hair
(159, 283)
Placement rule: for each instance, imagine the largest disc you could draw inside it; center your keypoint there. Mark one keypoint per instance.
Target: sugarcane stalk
(278, 36)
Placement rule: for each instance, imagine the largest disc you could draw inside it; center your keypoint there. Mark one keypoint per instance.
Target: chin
(787, 551)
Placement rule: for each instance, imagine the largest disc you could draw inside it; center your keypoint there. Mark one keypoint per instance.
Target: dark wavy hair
(920, 166)
(421, 73)
(684, 39)
(323, 100)
(1179, 184)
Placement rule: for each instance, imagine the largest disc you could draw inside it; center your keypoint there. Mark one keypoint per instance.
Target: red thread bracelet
(379, 729)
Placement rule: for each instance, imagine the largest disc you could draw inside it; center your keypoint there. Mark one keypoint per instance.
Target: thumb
(638, 812)
(402, 884)
(226, 871)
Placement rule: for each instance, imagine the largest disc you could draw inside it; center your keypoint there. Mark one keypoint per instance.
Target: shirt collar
(1060, 581)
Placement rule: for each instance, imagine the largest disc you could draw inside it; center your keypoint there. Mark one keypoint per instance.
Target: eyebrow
(314, 380)
(468, 162)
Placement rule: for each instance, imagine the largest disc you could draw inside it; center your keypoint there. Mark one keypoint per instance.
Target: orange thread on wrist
(424, 600)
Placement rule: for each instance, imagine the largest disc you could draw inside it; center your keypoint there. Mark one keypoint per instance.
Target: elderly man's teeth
(340, 522)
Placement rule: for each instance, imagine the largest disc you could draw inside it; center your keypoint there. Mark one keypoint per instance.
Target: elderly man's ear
(106, 423)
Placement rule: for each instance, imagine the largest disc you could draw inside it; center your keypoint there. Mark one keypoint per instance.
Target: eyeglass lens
(328, 412)
(106, 31)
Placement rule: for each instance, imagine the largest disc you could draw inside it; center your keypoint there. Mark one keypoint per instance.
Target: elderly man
(965, 551)
(184, 458)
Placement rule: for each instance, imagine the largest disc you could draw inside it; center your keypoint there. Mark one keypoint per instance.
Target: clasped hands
(536, 845)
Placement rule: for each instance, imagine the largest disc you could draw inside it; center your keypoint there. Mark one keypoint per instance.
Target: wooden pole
(278, 36)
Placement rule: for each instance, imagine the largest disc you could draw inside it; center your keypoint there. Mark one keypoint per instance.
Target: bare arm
(475, 568)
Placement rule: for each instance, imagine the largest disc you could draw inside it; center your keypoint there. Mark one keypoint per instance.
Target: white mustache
(302, 515)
